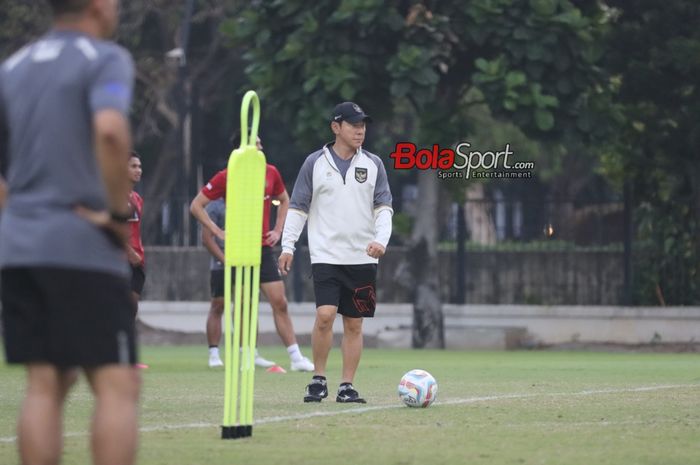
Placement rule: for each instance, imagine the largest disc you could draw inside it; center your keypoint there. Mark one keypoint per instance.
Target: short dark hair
(61, 7)
(134, 154)
(235, 139)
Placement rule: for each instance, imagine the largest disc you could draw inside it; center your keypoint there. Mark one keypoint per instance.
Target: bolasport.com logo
(462, 162)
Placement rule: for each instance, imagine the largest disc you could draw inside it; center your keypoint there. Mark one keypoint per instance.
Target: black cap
(350, 112)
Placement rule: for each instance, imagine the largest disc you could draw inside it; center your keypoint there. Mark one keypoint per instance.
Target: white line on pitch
(351, 411)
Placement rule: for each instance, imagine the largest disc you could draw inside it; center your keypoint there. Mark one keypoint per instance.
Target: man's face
(352, 134)
(135, 170)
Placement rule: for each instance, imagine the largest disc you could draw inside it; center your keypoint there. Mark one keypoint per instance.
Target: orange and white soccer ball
(418, 388)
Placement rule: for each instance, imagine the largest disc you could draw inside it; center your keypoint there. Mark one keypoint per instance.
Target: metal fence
(492, 251)
(535, 252)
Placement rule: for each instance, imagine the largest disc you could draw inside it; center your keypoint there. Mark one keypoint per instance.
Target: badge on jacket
(360, 175)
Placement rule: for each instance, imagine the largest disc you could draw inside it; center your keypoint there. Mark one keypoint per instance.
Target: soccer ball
(418, 388)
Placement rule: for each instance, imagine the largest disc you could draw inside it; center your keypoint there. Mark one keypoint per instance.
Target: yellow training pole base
(235, 432)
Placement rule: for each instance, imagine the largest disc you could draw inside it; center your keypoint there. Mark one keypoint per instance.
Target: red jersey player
(271, 283)
(135, 246)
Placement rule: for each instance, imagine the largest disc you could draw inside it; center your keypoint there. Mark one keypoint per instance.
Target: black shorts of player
(138, 279)
(67, 317)
(268, 273)
(349, 287)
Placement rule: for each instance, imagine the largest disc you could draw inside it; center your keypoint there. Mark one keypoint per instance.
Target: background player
(134, 248)
(271, 283)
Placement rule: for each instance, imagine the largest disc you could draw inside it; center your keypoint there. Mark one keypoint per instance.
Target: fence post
(461, 271)
(629, 237)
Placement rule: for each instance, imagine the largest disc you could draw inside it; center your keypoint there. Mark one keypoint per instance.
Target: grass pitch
(492, 408)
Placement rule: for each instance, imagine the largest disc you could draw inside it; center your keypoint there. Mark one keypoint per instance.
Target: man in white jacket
(343, 192)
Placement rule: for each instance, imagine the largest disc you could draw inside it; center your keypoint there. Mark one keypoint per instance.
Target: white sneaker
(215, 361)
(304, 364)
(262, 362)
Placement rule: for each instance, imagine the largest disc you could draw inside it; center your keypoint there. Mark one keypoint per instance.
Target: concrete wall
(541, 277)
(471, 326)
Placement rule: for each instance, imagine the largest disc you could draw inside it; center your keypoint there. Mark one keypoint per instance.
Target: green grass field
(492, 408)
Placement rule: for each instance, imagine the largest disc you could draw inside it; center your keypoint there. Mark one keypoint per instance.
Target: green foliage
(303, 58)
(655, 56)
(540, 67)
(402, 224)
(536, 62)
(21, 22)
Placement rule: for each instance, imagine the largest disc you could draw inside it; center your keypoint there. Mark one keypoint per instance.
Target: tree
(655, 58)
(534, 62)
(21, 22)
(202, 94)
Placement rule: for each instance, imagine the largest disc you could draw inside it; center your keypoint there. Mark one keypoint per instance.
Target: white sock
(213, 351)
(294, 353)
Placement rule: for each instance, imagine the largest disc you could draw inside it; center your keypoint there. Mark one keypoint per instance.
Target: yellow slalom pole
(228, 420)
(245, 344)
(253, 338)
(236, 355)
(245, 191)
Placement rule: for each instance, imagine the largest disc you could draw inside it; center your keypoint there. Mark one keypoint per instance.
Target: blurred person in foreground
(66, 300)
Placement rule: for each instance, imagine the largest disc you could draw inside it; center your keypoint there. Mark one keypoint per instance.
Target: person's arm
(134, 258)
(113, 145)
(274, 235)
(211, 245)
(3, 193)
(382, 214)
(137, 203)
(293, 225)
(382, 233)
(4, 149)
(198, 210)
(3, 161)
(299, 205)
(110, 99)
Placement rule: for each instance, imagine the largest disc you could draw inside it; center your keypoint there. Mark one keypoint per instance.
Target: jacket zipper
(331, 162)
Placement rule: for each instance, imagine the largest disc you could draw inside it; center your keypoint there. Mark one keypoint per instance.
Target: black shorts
(268, 273)
(138, 279)
(67, 317)
(351, 288)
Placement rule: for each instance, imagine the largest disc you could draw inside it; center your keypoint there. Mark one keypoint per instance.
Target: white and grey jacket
(344, 214)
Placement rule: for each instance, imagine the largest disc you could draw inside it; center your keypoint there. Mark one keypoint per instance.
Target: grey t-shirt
(217, 212)
(342, 164)
(49, 92)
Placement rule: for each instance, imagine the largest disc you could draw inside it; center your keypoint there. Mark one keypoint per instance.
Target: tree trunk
(428, 320)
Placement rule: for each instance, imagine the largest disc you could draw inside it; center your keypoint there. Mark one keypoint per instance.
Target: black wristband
(119, 218)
